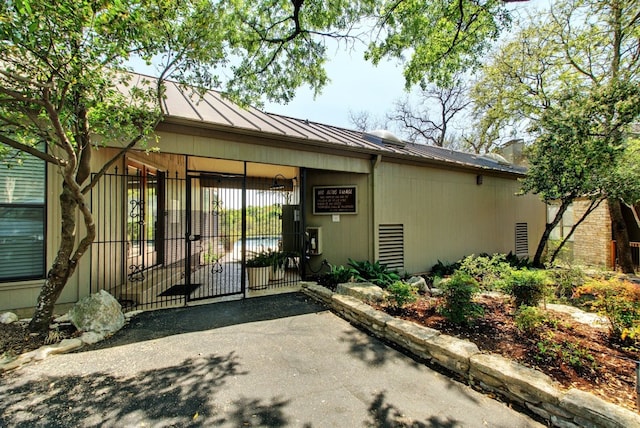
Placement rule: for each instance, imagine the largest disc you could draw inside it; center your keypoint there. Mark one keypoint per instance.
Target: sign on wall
(335, 200)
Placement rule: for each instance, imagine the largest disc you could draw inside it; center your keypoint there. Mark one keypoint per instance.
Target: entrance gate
(163, 241)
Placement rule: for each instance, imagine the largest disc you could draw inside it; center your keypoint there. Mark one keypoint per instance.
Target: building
(592, 242)
(180, 224)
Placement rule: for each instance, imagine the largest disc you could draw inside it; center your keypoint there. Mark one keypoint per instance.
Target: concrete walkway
(278, 361)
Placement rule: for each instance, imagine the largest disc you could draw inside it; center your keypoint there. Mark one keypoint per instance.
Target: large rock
(591, 319)
(594, 411)
(514, 380)
(8, 317)
(99, 313)
(363, 291)
(451, 352)
(420, 283)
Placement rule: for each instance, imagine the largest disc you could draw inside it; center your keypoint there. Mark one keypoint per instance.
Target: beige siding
(351, 236)
(446, 215)
(292, 156)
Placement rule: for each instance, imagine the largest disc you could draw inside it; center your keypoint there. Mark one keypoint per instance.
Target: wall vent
(522, 240)
(391, 245)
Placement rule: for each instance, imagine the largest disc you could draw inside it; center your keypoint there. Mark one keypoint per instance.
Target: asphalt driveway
(278, 361)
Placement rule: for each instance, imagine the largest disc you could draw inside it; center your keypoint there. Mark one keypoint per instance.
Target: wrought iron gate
(212, 231)
(165, 240)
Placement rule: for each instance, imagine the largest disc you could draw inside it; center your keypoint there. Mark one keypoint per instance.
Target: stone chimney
(512, 151)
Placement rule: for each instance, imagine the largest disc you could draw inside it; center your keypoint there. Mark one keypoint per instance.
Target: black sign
(334, 200)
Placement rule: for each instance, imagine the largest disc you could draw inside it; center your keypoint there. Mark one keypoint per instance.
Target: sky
(356, 86)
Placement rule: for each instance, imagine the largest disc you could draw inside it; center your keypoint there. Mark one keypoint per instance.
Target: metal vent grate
(391, 241)
(522, 240)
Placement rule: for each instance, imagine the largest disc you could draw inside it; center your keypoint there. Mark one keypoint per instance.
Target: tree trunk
(537, 259)
(621, 236)
(61, 269)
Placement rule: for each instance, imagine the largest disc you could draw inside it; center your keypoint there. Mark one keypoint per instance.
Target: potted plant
(258, 269)
(278, 264)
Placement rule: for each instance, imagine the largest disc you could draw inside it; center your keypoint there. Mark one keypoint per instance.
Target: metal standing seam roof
(213, 108)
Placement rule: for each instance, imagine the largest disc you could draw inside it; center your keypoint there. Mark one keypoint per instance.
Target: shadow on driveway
(313, 370)
(173, 394)
(168, 322)
(183, 395)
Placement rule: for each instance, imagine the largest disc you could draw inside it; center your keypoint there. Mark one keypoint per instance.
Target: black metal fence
(164, 240)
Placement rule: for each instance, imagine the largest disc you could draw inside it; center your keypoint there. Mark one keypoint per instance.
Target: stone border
(488, 372)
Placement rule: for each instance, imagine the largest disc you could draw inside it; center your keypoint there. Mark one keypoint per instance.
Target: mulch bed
(572, 353)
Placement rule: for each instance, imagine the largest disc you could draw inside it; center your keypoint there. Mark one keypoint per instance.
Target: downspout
(373, 249)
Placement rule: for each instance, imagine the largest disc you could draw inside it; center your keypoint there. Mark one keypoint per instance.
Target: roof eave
(184, 125)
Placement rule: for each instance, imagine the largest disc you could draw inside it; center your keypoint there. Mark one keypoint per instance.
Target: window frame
(43, 207)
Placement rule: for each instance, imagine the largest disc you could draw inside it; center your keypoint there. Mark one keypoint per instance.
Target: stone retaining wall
(493, 373)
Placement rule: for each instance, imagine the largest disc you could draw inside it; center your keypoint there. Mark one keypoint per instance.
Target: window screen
(22, 218)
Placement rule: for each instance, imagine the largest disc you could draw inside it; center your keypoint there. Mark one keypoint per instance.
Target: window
(22, 218)
(564, 226)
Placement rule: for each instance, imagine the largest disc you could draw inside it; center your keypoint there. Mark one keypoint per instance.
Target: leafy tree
(624, 181)
(571, 75)
(600, 43)
(60, 83)
(439, 38)
(580, 146)
(516, 85)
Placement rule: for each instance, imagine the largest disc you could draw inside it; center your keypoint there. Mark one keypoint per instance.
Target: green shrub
(458, 292)
(530, 319)
(337, 275)
(441, 269)
(526, 286)
(261, 259)
(517, 262)
(564, 281)
(489, 271)
(572, 354)
(374, 273)
(401, 293)
(617, 300)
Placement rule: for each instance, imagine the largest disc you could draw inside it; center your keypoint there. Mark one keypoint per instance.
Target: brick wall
(592, 239)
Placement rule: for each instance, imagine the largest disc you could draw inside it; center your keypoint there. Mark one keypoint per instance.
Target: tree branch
(61, 135)
(96, 177)
(32, 151)
(26, 80)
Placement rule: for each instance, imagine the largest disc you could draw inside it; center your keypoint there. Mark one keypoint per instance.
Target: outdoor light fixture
(479, 179)
(276, 184)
